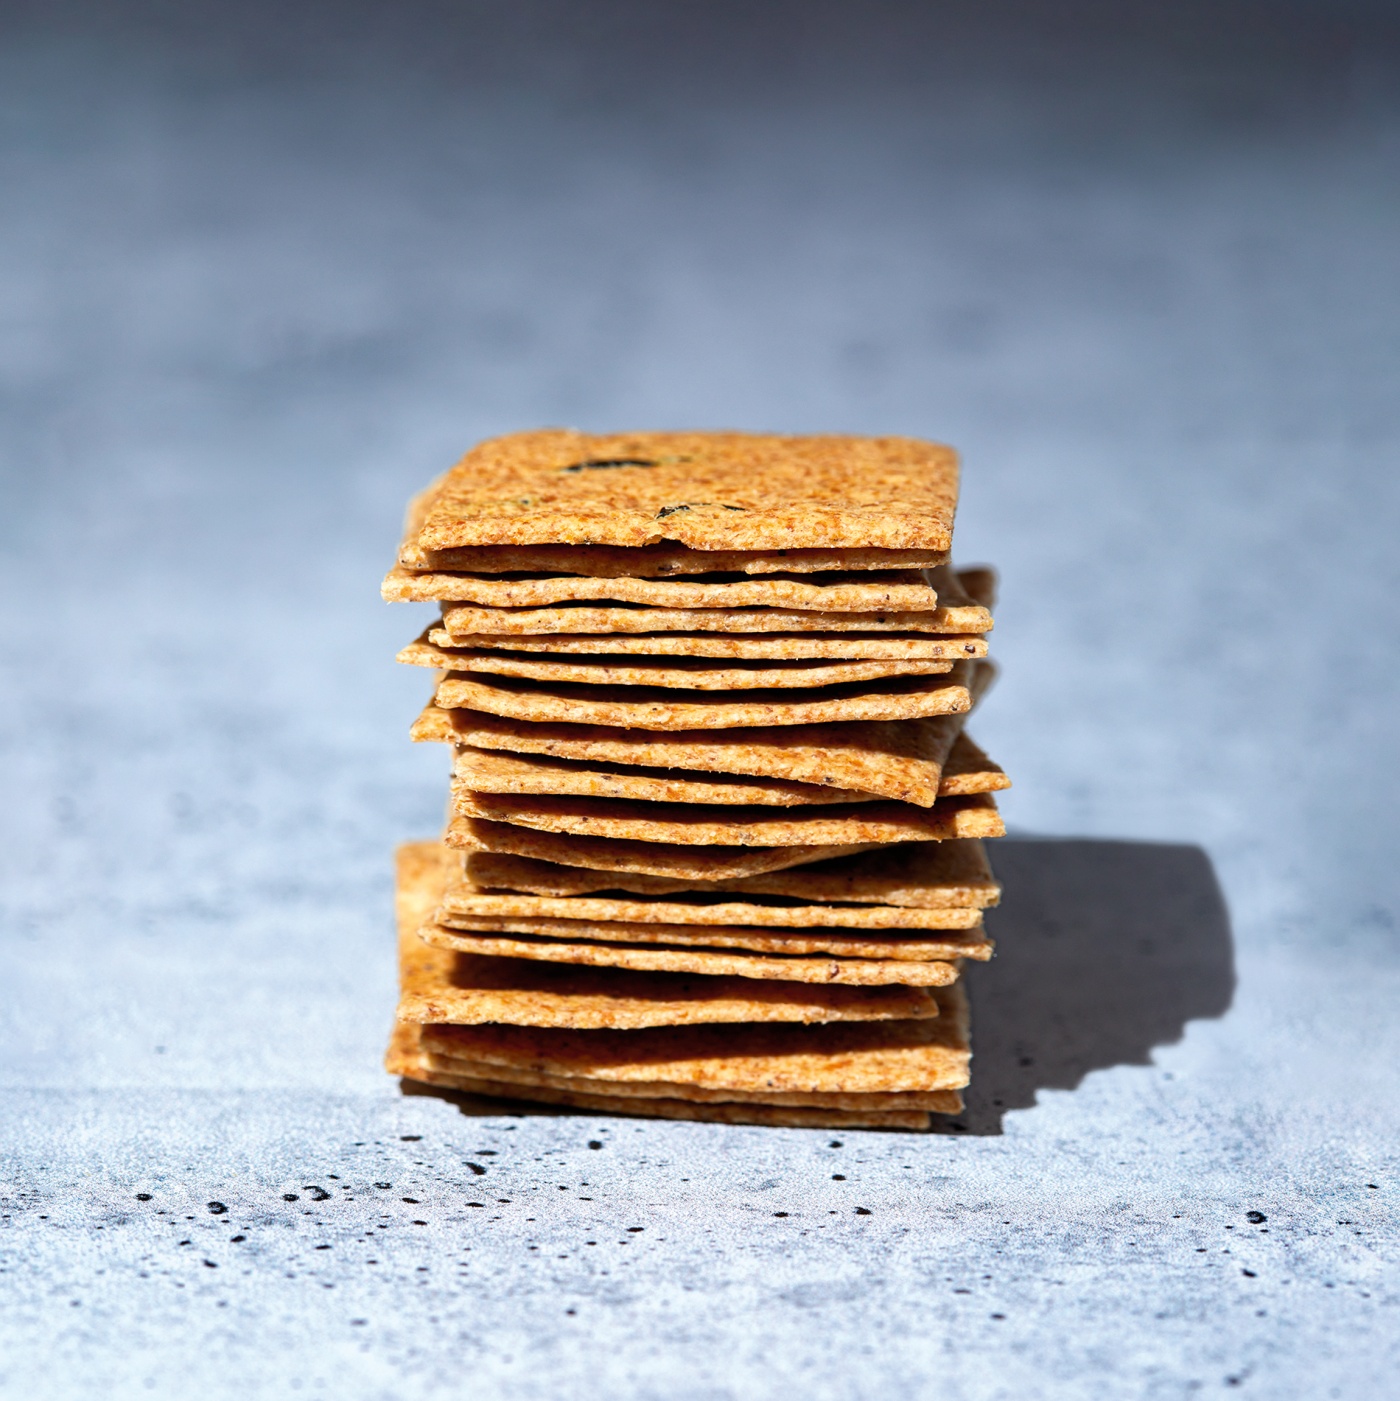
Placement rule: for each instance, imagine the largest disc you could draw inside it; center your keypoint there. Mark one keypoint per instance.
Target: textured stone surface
(263, 272)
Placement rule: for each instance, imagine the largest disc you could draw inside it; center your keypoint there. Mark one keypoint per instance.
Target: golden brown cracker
(905, 590)
(923, 946)
(464, 897)
(966, 770)
(937, 1101)
(655, 561)
(929, 876)
(663, 708)
(692, 863)
(778, 646)
(693, 825)
(709, 491)
(826, 971)
(463, 621)
(902, 759)
(886, 1057)
(437, 985)
(494, 771)
(687, 673)
(405, 1059)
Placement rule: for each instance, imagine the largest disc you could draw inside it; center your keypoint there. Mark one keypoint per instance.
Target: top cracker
(710, 491)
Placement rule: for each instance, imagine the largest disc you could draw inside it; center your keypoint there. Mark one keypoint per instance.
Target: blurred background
(265, 269)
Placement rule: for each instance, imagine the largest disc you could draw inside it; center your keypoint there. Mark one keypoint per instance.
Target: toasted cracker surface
(899, 590)
(465, 897)
(688, 825)
(924, 875)
(843, 646)
(690, 863)
(925, 946)
(967, 770)
(494, 771)
(463, 620)
(663, 708)
(902, 760)
(688, 673)
(827, 971)
(941, 1101)
(888, 1057)
(405, 1058)
(437, 985)
(720, 491)
(655, 561)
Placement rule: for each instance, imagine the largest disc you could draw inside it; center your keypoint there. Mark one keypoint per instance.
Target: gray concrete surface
(264, 270)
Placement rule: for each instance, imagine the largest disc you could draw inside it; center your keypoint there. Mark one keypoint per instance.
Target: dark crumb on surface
(410, 1138)
(1257, 1217)
(862, 1211)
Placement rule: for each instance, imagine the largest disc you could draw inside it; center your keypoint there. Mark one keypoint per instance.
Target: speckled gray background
(266, 268)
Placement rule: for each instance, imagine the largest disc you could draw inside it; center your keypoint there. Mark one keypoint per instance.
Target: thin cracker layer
(405, 1058)
(923, 875)
(687, 673)
(967, 770)
(897, 590)
(684, 824)
(730, 491)
(437, 985)
(887, 1057)
(827, 971)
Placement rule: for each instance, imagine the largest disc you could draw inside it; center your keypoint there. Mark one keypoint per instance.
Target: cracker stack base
(714, 846)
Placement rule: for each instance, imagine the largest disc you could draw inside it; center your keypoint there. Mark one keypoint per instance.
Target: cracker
(969, 770)
(924, 875)
(690, 673)
(437, 985)
(966, 770)
(827, 971)
(663, 708)
(493, 771)
(656, 561)
(709, 491)
(692, 825)
(778, 646)
(463, 620)
(868, 1058)
(644, 858)
(938, 1101)
(905, 590)
(902, 760)
(405, 1059)
(465, 898)
(925, 946)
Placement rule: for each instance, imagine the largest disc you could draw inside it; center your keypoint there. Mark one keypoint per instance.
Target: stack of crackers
(713, 848)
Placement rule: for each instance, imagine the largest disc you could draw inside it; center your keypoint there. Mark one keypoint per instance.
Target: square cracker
(437, 985)
(406, 1058)
(897, 590)
(691, 863)
(895, 759)
(826, 971)
(955, 611)
(686, 673)
(464, 897)
(939, 1101)
(655, 561)
(967, 770)
(924, 875)
(666, 708)
(929, 944)
(868, 1058)
(709, 491)
(686, 824)
(776, 646)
